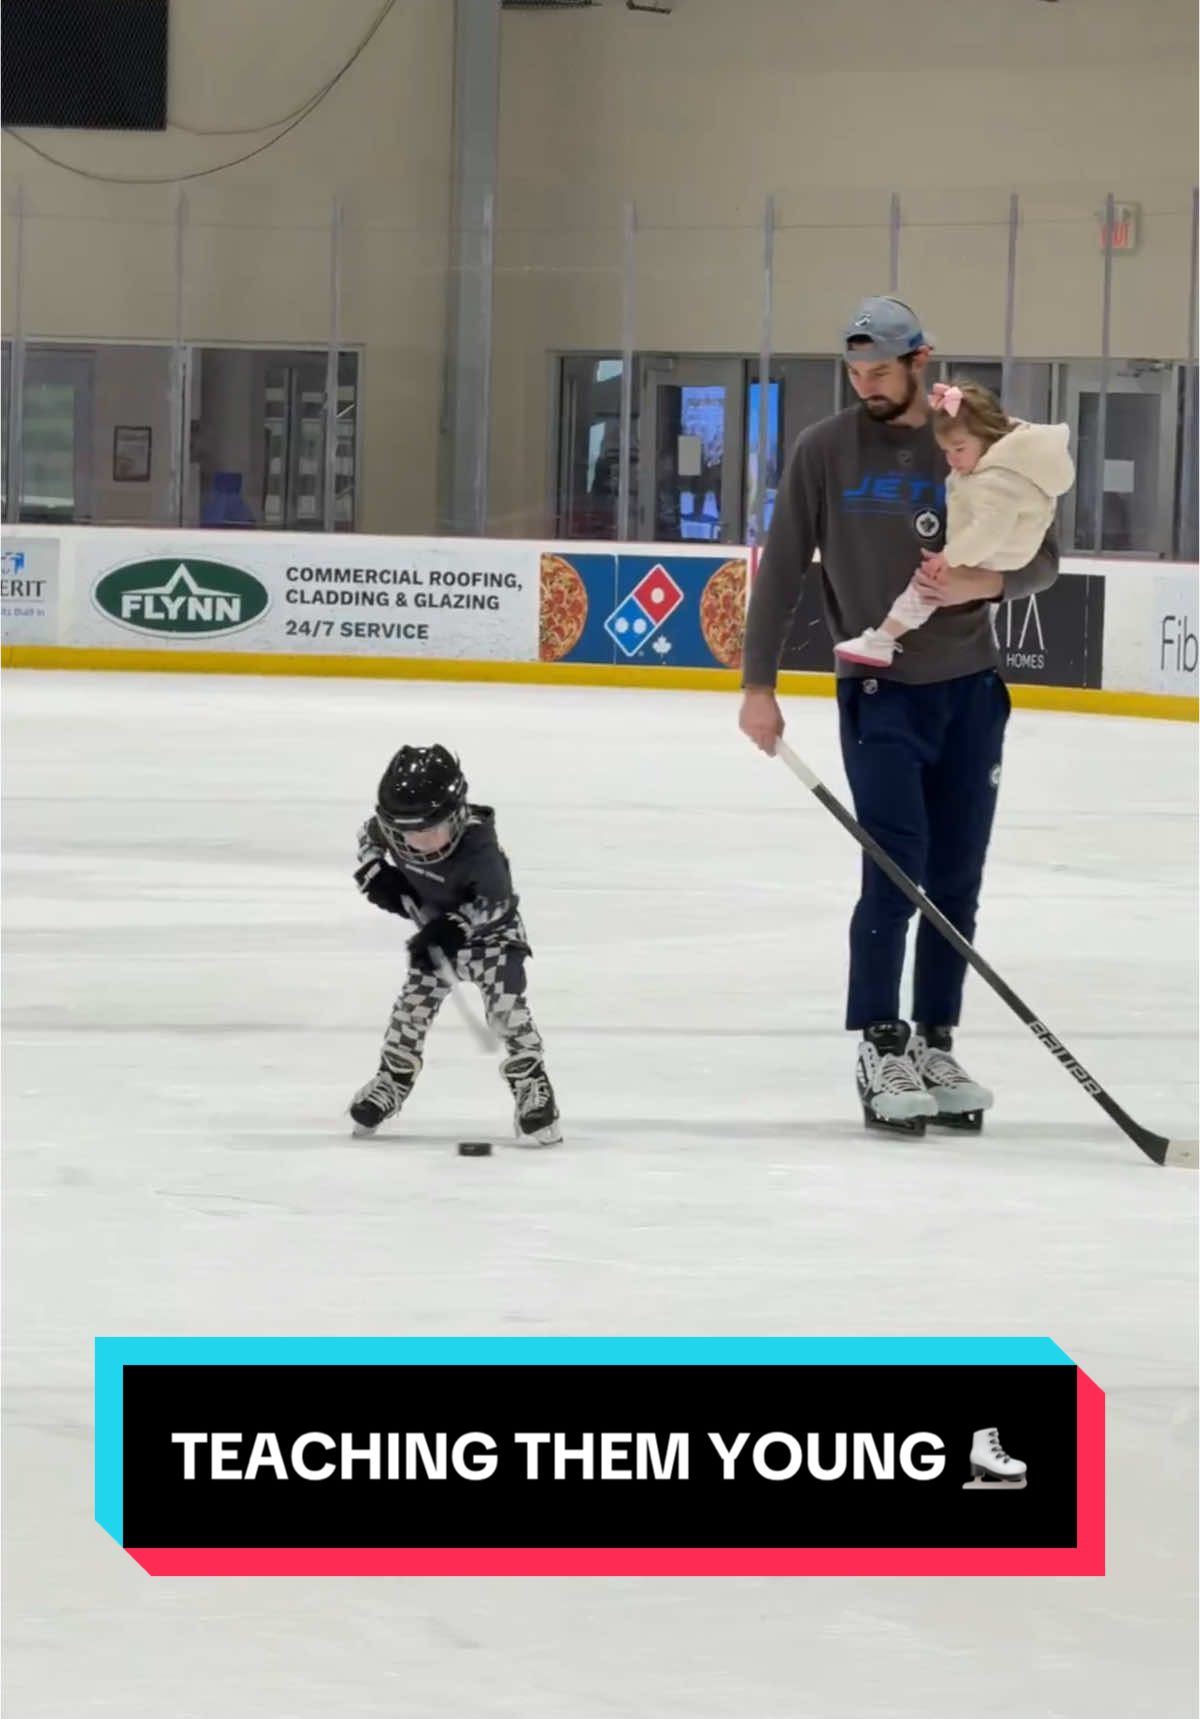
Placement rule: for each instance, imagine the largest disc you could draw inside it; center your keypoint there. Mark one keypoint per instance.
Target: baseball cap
(890, 326)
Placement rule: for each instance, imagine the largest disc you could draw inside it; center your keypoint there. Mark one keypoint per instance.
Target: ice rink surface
(194, 990)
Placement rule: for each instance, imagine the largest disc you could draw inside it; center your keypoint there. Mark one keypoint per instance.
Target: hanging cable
(302, 108)
(289, 125)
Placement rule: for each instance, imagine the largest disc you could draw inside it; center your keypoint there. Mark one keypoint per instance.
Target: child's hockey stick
(483, 1035)
(1156, 1146)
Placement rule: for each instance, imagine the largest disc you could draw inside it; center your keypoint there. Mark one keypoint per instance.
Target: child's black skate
(383, 1094)
(892, 1093)
(535, 1121)
(960, 1100)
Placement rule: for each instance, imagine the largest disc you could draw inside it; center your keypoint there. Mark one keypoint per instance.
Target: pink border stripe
(1090, 1517)
(610, 1561)
(1084, 1559)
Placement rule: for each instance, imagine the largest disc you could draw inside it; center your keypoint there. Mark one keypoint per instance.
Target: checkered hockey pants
(497, 969)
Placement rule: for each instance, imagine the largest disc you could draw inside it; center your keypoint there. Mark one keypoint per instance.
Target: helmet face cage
(455, 822)
(423, 788)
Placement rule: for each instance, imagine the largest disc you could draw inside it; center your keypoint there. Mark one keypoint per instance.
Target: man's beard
(884, 411)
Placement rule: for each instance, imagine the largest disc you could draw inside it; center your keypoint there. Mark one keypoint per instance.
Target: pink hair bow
(946, 399)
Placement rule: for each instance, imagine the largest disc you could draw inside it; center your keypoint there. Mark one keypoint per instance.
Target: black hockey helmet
(422, 789)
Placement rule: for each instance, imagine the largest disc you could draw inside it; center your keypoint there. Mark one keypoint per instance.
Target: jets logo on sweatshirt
(894, 492)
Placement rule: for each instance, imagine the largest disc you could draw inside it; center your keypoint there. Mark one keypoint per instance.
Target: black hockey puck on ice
(474, 1148)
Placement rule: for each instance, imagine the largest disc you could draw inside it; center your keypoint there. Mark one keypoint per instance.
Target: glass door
(294, 452)
(692, 436)
(1138, 462)
(293, 408)
(589, 441)
(774, 455)
(56, 437)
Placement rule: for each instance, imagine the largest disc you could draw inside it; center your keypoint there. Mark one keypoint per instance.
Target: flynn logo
(1041, 1031)
(187, 599)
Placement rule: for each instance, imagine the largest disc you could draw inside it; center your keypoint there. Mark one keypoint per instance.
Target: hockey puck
(474, 1148)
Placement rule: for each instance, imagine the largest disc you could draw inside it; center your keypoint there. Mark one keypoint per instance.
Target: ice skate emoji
(992, 1469)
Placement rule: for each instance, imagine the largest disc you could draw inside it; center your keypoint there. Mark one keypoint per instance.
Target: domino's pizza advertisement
(678, 611)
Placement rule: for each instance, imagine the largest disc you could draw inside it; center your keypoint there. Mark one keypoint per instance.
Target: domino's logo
(636, 620)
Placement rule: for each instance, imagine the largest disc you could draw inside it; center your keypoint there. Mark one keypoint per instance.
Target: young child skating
(432, 857)
(1005, 480)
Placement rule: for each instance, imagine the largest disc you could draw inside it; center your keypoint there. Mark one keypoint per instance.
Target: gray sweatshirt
(869, 497)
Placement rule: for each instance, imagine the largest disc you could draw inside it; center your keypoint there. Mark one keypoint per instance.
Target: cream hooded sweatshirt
(997, 515)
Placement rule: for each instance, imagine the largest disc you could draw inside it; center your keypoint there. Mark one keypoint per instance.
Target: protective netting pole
(178, 381)
(333, 368)
(1189, 522)
(894, 243)
(487, 276)
(16, 378)
(1010, 301)
(1105, 355)
(628, 306)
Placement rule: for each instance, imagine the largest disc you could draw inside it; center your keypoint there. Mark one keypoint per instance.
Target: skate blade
(551, 1136)
(954, 1101)
(912, 1125)
(360, 1131)
(959, 1121)
(995, 1485)
(864, 661)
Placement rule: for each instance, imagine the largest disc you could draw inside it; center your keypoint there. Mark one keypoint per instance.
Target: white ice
(194, 989)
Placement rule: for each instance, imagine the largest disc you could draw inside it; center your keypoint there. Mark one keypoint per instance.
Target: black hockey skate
(960, 1100)
(384, 1093)
(893, 1096)
(535, 1121)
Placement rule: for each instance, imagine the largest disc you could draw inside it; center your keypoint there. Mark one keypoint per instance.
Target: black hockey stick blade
(1157, 1147)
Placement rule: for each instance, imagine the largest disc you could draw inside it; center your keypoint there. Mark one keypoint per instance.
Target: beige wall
(100, 258)
(827, 104)
(830, 105)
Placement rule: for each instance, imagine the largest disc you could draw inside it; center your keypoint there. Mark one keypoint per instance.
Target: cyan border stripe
(110, 1436)
(585, 1351)
(113, 1354)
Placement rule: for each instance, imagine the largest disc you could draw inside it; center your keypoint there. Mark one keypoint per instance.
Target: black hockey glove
(446, 934)
(384, 887)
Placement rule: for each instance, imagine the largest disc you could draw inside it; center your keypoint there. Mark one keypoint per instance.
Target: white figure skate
(872, 648)
(992, 1469)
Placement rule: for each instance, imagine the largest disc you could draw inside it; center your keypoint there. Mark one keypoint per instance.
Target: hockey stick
(1156, 1146)
(480, 1031)
(483, 1035)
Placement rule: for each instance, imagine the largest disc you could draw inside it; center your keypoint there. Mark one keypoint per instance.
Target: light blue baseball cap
(890, 328)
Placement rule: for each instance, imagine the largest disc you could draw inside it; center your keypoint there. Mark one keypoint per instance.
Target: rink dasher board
(1112, 637)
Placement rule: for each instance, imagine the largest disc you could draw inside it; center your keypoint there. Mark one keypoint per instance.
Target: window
(56, 419)
(589, 439)
(256, 446)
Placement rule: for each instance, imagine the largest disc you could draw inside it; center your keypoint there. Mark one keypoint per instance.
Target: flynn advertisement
(359, 596)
